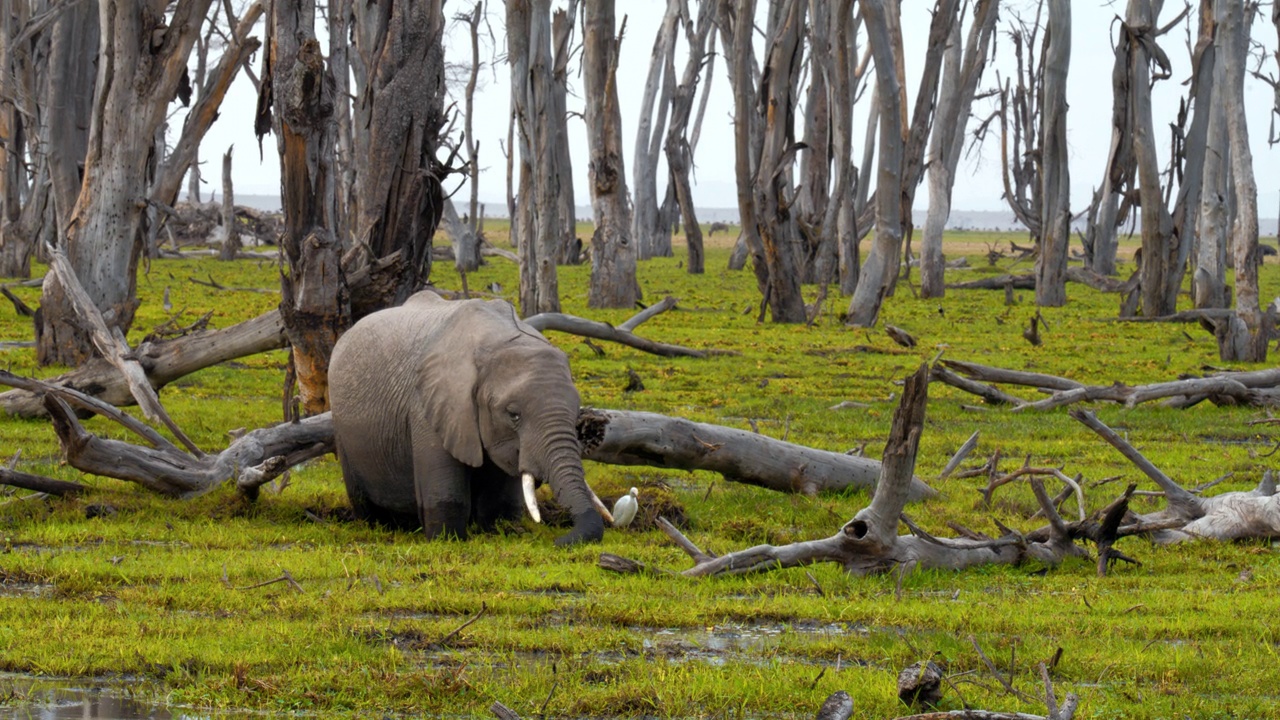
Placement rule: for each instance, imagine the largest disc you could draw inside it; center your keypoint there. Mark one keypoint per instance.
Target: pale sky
(978, 185)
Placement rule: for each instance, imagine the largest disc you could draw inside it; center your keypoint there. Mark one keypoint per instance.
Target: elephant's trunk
(557, 458)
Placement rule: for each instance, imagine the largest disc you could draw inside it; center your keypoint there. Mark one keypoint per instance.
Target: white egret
(624, 510)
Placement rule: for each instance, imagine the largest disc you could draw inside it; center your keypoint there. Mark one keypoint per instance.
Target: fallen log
(620, 437)
(1230, 516)
(163, 361)
(1027, 281)
(870, 543)
(166, 360)
(1258, 388)
(608, 436)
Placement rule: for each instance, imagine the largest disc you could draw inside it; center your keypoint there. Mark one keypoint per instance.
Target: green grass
(156, 592)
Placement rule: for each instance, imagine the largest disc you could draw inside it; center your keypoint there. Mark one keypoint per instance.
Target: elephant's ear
(448, 392)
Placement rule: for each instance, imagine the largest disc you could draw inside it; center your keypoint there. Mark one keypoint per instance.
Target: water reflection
(26, 698)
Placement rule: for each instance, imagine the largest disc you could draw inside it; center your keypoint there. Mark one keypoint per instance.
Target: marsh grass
(122, 583)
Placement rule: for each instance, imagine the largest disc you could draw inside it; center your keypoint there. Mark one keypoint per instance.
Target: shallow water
(23, 697)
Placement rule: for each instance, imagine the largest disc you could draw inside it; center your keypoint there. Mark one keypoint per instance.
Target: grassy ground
(124, 584)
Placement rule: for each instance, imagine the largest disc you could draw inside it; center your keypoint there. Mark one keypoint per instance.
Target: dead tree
(870, 543)
(15, 247)
(956, 92)
(230, 226)
(570, 252)
(881, 264)
(1226, 517)
(146, 45)
(1055, 175)
(538, 228)
(880, 272)
(737, 23)
(297, 91)
(466, 242)
(775, 225)
(1245, 335)
(647, 230)
(613, 252)
(1209, 278)
(204, 111)
(678, 148)
(399, 113)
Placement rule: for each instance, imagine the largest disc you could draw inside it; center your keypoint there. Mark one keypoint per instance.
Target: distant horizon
(977, 220)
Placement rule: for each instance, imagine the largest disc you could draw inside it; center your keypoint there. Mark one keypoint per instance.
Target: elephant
(445, 414)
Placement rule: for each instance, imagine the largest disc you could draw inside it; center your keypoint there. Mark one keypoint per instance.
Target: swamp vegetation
(287, 604)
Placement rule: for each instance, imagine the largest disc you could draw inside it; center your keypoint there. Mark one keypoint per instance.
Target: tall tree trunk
(679, 150)
(838, 232)
(1245, 335)
(777, 228)
(401, 110)
(202, 114)
(1055, 213)
(738, 23)
(298, 87)
(143, 55)
(15, 247)
(881, 263)
(346, 204)
(540, 229)
(1161, 275)
(561, 33)
(645, 229)
(471, 260)
(960, 83)
(613, 254)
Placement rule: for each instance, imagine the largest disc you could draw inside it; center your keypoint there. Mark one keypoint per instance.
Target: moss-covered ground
(123, 584)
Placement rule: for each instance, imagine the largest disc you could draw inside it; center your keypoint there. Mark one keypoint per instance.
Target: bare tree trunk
(839, 222)
(1055, 214)
(778, 232)
(955, 100)
(15, 246)
(540, 230)
(1245, 336)
(881, 264)
(346, 204)
(230, 228)
(298, 87)
(401, 112)
(645, 219)
(679, 150)
(613, 254)
(570, 252)
(737, 21)
(471, 263)
(139, 68)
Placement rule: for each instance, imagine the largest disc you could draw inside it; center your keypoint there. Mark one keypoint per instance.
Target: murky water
(23, 697)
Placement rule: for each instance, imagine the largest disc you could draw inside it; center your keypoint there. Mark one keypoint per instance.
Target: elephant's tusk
(600, 506)
(526, 481)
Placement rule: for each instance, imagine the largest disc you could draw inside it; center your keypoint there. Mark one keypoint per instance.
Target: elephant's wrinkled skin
(439, 407)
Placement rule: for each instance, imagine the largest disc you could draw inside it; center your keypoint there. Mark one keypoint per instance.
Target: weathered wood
(637, 438)
(1055, 176)
(39, 483)
(677, 147)
(146, 46)
(955, 100)
(880, 267)
(645, 230)
(613, 254)
(779, 234)
(163, 361)
(230, 226)
(1229, 516)
(1254, 388)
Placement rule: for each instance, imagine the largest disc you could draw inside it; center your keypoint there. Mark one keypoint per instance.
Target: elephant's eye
(514, 415)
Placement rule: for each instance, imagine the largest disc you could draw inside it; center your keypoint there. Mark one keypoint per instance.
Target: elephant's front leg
(441, 486)
(495, 496)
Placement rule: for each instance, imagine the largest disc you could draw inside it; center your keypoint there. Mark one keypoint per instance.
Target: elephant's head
(524, 419)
